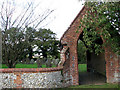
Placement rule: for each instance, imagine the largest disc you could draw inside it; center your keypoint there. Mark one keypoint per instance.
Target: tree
(10, 17)
(12, 46)
(46, 43)
(81, 52)
(101, 21)
(29, 40)
(15, 38)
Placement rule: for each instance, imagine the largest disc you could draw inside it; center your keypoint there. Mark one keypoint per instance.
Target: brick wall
(69, 40)
(32, 78)
(112, 66)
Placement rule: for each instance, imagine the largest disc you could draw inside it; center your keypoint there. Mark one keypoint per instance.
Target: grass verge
(27, 66)
(97, 86)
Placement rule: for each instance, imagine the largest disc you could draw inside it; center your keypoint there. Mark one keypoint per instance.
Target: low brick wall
(31, 78)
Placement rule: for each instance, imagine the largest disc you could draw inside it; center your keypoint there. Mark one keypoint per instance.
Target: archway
(70, 65)
(91, 67)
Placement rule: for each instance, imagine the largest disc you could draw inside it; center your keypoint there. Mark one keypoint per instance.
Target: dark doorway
(92, 67)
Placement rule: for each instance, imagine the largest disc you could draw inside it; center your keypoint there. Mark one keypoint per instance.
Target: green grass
(22, 66)
(82, 67)
(26, 66)
(4, 66)
(96, 86)
(93, 87)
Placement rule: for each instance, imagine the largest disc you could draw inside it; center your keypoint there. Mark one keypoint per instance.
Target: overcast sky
(64, 13)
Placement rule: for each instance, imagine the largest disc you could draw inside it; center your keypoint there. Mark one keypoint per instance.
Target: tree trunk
(44, 53)
(11, 64)
(30, 53)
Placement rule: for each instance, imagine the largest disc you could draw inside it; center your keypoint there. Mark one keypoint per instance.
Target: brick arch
(69, 61)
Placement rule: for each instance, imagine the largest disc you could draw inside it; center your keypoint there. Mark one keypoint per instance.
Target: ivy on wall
(101, 22)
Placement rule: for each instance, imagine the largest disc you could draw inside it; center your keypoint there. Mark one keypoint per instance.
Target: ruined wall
(32, 78)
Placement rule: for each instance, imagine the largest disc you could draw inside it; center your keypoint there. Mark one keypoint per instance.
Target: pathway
(88, 78)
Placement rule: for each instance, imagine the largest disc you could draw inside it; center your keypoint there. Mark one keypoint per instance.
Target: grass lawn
(93, 87)
(26, 66)
(97, 86)
(82, 67)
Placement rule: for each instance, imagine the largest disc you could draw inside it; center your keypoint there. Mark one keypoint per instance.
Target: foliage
(18, 45)
(101, 24)
(29, 38)
(18, 36)
(46, 43)
(12, 47)
(81, 52)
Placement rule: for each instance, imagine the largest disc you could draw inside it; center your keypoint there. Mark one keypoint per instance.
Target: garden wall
(31, 78)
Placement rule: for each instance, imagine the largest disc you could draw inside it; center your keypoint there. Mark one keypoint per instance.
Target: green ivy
(102, 19)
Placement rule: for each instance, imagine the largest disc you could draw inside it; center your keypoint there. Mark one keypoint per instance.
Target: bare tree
(13, 24)
(11, 17)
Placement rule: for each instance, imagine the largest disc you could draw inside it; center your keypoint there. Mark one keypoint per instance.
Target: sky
(65, 12)
(60, 19)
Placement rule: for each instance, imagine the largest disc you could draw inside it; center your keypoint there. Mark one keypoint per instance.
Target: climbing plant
(101, 23)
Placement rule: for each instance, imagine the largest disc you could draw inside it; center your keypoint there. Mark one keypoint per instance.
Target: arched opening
(91, 67)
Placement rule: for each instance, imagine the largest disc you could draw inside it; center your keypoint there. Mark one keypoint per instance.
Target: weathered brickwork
(24, 78)
(70, 66)
(112, 66)
(69, 39)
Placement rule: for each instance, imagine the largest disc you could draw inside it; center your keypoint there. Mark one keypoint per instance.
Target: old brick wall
(70, 39)
(112, 66)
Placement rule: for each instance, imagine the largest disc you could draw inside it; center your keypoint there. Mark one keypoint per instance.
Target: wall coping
(12, 70)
